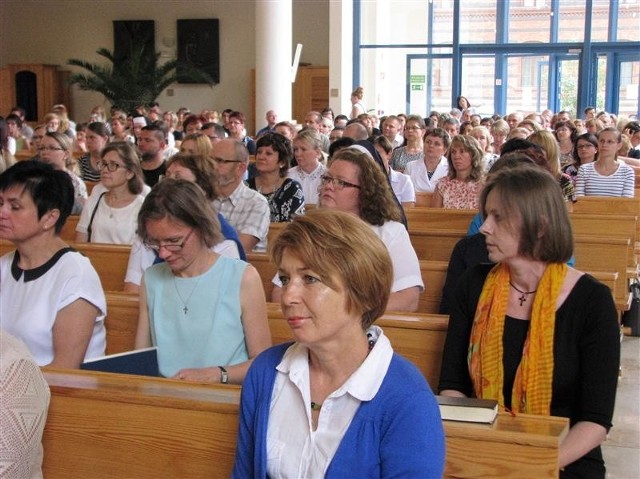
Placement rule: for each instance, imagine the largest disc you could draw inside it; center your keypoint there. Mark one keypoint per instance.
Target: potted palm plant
(135, 80)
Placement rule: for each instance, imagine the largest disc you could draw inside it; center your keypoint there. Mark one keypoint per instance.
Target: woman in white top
(400, 183)
(357, 108)
(111, 213)
(307, 150)
(355, 184)
(51, 297)
(426, 173)
(607, 176)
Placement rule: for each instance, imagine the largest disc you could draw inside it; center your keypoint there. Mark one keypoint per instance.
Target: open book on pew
(467, 409)
(143, 362)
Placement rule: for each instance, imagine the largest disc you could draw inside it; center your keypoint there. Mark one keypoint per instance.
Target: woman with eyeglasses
(205, 313)
(607, 176)
(584, 151)
(201, 171)
(111, 213)
(56, 149)
(356, 184)
(413, 150)
(273, 160)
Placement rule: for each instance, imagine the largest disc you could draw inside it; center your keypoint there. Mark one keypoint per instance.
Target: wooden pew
(104, 425)
(418, 337)
(605, 254)
(68, 232)
(423, 198)
(425, 218)
(435, 244)
(266, 269)
(121, 321)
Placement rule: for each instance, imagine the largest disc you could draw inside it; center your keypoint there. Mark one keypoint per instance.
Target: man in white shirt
(245, 209)
(391, 131)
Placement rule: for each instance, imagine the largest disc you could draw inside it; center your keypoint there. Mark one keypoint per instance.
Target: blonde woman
(307, 151)
(357, 108)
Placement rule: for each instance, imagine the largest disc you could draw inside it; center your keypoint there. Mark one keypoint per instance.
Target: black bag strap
(93, 214)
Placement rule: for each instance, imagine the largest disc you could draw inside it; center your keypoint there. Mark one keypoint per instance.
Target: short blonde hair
(347, 255)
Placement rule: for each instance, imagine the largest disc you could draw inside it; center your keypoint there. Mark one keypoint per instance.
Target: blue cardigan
(397, 434)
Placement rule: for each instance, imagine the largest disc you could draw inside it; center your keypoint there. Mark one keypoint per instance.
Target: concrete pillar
(274, 19)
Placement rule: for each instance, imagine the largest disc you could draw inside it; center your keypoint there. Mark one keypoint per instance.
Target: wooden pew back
(104, 425)
(418, 337)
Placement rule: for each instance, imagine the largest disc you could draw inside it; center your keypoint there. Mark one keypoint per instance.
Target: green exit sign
(417, 79)
(417, 87)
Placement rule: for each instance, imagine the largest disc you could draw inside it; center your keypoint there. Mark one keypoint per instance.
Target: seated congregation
(178, 240)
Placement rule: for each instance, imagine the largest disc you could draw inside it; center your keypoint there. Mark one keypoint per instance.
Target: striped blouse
(591, 183)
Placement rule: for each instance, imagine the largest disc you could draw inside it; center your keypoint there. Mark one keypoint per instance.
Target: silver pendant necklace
(185, 304)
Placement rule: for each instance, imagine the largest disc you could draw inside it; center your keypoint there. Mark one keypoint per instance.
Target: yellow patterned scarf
(532, 385)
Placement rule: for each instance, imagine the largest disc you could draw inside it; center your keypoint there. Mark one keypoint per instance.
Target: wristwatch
(224, 375)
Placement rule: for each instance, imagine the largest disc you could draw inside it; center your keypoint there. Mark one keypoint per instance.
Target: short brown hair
(182, 201)
(534, 196)
(338, 245)
(202, 168)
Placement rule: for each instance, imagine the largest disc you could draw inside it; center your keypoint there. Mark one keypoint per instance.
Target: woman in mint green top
(205, 313)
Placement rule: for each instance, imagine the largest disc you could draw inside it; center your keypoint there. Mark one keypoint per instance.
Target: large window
(526, 55)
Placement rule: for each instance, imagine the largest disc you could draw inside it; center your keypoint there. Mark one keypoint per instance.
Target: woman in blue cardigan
(338, 401)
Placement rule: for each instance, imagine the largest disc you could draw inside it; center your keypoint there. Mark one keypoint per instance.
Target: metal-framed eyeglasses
(172, 246)
(337, 183)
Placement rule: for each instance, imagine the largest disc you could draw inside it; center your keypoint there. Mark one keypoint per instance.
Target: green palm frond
(136, 80)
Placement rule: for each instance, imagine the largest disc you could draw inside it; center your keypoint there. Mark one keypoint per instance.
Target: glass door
(428, 84)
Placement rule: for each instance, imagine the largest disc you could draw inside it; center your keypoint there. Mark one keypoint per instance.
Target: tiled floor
(622, 448)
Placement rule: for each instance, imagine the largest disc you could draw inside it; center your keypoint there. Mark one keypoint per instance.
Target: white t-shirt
(406, 266)
(30, 304)
(417, 170)
(110, 225)
(402, 186)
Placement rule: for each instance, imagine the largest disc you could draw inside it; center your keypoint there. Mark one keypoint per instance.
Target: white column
(340, 56)
(273, 59)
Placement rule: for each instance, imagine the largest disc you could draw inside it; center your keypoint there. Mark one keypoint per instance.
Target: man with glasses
(214, 132)
(245, 209)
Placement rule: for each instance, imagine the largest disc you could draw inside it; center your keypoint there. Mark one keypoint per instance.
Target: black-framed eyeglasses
(337, 183)
(109, 165)
(172, 245)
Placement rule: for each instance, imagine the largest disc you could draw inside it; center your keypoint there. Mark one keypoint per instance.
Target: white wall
(52, 31)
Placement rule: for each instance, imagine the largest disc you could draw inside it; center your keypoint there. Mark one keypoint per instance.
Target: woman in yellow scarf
(536, 335)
